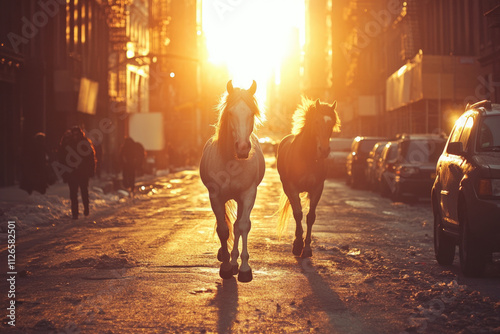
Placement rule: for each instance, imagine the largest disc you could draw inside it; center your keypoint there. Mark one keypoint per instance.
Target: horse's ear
(229, 86)
(253, 88)
(317, 104)
(334, 105)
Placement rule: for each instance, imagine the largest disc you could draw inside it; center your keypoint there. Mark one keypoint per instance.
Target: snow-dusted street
(148, 265)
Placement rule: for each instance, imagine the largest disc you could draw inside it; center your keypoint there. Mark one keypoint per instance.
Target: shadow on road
(324, 298)
(226, 301)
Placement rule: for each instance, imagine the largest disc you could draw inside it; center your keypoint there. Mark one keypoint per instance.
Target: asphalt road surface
(149, 266)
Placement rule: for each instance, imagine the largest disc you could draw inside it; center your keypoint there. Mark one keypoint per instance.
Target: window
(489, 134)
(464, 138)
(457, 130)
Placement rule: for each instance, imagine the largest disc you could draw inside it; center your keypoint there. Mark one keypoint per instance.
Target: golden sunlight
(252, 38)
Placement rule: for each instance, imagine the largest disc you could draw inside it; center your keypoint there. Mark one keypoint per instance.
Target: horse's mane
(229, 100)
(304, 114)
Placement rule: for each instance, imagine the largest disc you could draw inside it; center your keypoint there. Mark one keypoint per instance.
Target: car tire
(472, 258)
(444, 246)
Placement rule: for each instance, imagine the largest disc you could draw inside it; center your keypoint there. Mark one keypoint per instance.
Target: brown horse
(301, 165)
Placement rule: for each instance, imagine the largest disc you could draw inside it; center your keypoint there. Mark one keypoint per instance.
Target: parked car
(268, 145)
(356, 160)
(413, 171)
(371, 164)
(384, 170)
(335, 162)
(466, 192)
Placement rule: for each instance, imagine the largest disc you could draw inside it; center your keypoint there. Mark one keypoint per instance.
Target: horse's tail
(231, 214)
(284, 211)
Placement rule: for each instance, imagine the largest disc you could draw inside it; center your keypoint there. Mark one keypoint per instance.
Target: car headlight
(489, 187)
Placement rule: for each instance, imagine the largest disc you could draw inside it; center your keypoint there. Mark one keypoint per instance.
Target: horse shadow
(226, 301)
(330, 302)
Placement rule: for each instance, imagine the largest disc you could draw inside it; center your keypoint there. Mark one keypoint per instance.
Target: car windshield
(421, 151)
(365, 146)
(392, 152)
(380, 147)
(489, 134)
(340, 145)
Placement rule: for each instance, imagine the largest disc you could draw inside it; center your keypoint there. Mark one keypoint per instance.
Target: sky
(251, 37)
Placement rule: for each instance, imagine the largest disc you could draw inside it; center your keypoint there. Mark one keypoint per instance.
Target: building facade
(176, 77)
(53, 57)
(412, 66)
(111, 66)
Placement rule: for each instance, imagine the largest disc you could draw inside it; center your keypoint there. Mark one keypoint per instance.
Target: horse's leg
(294, 198)
(219, 210)
(314, 197)
(243, 225)
(235, 252)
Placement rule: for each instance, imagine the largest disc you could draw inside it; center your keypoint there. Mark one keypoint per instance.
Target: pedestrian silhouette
(35, 171)
(132, 156)
(77, 153)
(140, 158)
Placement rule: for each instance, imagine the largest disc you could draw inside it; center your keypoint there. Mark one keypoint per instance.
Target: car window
(366, 145)
(457, 130)
(340, 145)
(489, 134)
(379, 149)
(392, 152)
(464, 138)
(421, 151)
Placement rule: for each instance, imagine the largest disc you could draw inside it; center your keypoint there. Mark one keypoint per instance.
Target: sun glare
(252, 38)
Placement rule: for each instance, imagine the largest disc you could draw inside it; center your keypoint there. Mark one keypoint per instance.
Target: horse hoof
(245, 276)
(307, 252)
(226, 274)
(235, 269)
(298, 245)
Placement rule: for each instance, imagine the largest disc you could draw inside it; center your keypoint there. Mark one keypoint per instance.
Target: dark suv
(412, 171)
(356, 160)
(466, 193)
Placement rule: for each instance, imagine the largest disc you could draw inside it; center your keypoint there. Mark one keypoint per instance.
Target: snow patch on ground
(36, 210)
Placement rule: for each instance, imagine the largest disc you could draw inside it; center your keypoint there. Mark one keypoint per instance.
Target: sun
(252, 38)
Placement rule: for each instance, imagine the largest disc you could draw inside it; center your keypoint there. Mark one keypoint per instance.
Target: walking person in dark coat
(77, 153)
(128, 160)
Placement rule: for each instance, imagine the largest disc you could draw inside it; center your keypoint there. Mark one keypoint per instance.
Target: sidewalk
(36, 210)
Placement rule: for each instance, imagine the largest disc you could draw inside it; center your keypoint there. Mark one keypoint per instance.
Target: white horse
(232, 166)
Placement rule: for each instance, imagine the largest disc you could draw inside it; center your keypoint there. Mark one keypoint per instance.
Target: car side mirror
(455, 148)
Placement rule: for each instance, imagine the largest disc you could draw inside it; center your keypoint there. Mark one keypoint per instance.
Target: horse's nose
(242, 148)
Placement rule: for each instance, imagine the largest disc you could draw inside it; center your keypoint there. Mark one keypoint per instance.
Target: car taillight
(489, 187)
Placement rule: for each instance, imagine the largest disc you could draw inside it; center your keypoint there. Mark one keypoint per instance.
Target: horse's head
(326, 121)
(241, 112)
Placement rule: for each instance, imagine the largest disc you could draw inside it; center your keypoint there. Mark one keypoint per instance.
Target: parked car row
(461, 173)
(404, 165)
